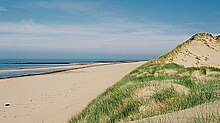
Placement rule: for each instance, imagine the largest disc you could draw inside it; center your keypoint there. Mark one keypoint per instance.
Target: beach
(54, 98)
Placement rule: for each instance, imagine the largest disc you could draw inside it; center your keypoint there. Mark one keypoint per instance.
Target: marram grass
(150, 90)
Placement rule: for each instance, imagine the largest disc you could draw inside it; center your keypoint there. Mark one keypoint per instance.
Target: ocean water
(35, 63)
(32, 63)
(29, 72)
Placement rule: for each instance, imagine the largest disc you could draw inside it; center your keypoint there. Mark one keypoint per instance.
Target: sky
(104, 29)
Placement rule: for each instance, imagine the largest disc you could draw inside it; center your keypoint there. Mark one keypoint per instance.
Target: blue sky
(137, 29)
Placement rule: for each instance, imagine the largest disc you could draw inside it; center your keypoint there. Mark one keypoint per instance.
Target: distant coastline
(8, 64)
(98, 61)
(40, 63)
(54, 67)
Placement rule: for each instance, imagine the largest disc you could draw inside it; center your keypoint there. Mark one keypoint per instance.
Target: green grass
(165, 94)
(130, 98)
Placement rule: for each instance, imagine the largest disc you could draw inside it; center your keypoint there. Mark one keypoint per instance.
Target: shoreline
(56, 64)
(64, 65)
(55, 69)
(48, 70)
(54, 98)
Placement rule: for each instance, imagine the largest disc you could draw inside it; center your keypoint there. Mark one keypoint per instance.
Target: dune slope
(202, 49)
(171, 83)
(199, 114)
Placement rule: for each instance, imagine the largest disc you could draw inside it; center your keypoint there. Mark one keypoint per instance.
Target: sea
(7, 64)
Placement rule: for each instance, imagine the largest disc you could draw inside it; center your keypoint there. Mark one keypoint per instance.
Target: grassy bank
(150, 90)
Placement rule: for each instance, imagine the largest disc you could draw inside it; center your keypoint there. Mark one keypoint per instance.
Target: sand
(54, 98)
(185, 116)
(200, 50)
(199, 53)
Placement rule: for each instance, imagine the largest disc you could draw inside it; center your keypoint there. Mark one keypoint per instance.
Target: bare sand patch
(199, 76)
(202, 49)
(156, 86)
(184, 116)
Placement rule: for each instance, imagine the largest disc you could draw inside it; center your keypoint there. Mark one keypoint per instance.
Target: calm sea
(34, 63)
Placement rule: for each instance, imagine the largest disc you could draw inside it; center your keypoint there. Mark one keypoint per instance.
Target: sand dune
(185, 116)
(53, 98)
(202, 49)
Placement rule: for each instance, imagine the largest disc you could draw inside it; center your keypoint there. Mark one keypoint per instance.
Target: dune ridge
(186, 77)
(202, 49)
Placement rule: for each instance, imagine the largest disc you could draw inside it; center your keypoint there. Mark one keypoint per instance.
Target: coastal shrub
(203, 71)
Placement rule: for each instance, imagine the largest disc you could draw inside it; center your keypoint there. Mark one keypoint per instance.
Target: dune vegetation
(160, 86)
(153, 89)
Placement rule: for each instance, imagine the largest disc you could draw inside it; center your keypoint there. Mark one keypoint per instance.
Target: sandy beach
(54, 98)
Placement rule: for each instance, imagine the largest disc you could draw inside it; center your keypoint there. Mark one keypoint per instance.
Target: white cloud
(3, 9)
(115, 37)
(217, 13)
(90, 9)
(66, 5)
